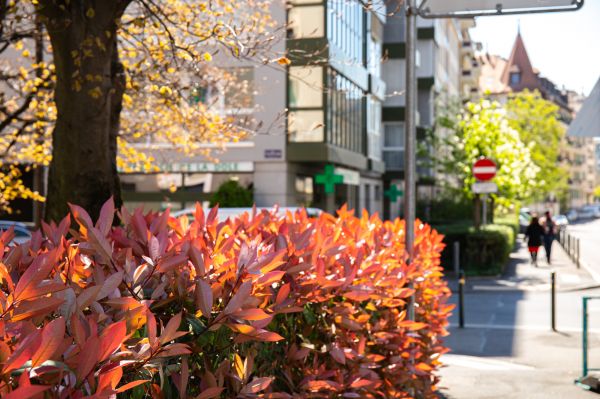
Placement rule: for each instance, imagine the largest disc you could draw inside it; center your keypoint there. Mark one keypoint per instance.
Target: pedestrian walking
(549, 234)
(534, 234)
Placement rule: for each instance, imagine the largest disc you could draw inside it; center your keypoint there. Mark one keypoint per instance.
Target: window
(306, 22)
(374, 128)
(393, 146)
(305, 126)
(306, 87)
(515, 78)
(345, 113)
(239, 90)
(346, 28)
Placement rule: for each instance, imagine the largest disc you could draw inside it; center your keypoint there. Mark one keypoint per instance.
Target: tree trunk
(83, 169)
(117, 75)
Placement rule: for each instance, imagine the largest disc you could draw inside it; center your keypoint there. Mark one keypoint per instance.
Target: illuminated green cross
(393, 193)
(329, 179)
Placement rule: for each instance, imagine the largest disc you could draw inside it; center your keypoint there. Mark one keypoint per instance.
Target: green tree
(481, 129)
(538, 124)
(232, 194)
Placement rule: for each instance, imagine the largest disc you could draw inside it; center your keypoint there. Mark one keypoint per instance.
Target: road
(589, 233)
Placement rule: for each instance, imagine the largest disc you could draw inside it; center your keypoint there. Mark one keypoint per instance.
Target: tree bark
(117, 74)
(88, 100)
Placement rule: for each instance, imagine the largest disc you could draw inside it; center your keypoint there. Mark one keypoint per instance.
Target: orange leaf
(130, 385)
(170, 331)
(24, 351)
(251, 314)
(36, 307)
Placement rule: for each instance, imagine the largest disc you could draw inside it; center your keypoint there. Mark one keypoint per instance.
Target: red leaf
(257, 384)
(337, 354)
(88, 357)
(170, 331)
(35, 273)
(36, 307)
(24, 351)
(239, 298)
(111, 339)
(204, 298)
(210, 393)
(283, 293)
(26, 392)
(107, 214)
(52, 337)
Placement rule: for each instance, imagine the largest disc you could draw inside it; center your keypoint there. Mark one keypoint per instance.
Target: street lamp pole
(410, 137)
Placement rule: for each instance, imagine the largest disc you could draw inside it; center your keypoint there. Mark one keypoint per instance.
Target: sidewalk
(521, 275)
(507, 349)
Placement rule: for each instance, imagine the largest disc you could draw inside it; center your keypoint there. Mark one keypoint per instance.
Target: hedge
(255, 306)
(482, 252)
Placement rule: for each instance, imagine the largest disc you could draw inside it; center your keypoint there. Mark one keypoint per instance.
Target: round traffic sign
(484, 169)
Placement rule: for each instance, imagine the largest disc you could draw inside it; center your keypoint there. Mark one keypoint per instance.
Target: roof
(587, 121)
(519, 62)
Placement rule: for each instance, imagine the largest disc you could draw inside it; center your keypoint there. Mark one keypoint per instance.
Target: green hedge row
(482, 252)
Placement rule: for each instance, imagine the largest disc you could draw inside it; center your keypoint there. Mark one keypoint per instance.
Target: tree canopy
(81, 78)
(481, 129)
(538, 124)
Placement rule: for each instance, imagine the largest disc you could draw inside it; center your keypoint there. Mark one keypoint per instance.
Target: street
(507, 348)
(589, 233)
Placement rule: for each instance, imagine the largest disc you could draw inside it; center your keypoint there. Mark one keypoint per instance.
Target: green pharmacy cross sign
(329, 179)
(393, 193)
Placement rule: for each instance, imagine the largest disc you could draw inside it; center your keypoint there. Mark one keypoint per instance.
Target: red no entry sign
(484, 169)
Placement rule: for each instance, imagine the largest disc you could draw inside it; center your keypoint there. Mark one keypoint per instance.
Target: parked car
(22, 233)
(225, 213)
(572, 215)
(561, 221)
(586, 212)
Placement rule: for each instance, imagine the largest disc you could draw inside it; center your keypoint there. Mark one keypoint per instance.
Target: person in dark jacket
(549, 232)
(534, 234)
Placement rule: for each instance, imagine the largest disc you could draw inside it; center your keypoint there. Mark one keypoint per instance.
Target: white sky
(565, 47)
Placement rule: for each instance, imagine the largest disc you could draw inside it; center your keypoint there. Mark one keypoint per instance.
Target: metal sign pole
(410, 137)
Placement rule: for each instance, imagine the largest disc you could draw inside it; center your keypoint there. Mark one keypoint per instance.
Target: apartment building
(446, 71)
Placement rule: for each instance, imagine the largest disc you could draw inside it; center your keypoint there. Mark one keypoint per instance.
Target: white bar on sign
(484, 169)
(484, 187)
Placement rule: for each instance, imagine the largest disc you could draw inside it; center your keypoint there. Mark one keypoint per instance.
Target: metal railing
(572, 245)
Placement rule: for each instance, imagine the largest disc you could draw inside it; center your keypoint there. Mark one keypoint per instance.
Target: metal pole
(456, 257)
(585, 337)
(578, 253)
(485, 210)
(461, 300)
(410, 136)
(553, 300)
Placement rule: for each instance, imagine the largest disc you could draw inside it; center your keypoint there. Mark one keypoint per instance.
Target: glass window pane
(306, 86)
(305, 126)
(394, 160)
(394, 135)
(306, 21)
(239, 90)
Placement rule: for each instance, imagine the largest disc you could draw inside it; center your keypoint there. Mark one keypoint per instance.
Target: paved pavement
(507, 348)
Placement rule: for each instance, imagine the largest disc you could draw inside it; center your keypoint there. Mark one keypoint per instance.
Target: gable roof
(519, 62)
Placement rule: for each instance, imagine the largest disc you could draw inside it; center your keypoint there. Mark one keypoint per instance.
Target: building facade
(322, 109)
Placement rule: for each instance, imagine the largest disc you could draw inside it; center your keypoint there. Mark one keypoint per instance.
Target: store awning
(587, 121)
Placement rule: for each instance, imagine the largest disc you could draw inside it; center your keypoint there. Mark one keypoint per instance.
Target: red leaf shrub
(256, 306)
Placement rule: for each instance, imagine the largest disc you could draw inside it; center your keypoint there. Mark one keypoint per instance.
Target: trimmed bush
(232, 194)
(485, 252)
(255, 306)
